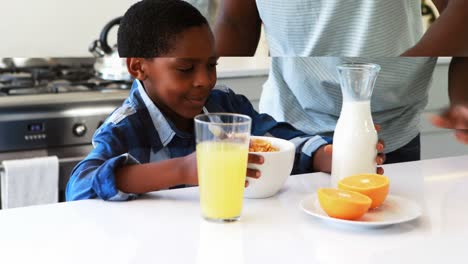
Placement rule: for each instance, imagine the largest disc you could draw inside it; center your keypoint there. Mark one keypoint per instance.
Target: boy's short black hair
(149, 27)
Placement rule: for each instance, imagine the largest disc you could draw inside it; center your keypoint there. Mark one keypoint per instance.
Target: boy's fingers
(380, 170)
(252, 173)
(255, 159)
(246, 184)
(328, 149)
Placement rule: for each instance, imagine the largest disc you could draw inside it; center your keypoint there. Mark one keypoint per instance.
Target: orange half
(343, 204)
(374, 186)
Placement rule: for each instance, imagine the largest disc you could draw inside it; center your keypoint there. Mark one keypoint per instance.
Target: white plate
(394, 210)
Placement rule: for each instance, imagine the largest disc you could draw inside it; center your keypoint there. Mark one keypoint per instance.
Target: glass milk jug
(355, 137)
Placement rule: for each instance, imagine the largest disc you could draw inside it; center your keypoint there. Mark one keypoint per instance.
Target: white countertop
(166, 227)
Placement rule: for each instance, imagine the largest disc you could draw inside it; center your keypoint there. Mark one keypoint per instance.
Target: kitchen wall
(62, 28)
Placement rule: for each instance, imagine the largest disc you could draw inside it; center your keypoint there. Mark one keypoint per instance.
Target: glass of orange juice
(222, 149)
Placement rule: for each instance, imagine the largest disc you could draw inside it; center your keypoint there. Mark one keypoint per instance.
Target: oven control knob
(79, 130)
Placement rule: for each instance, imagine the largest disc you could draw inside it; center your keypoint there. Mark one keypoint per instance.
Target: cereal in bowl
(260, 145)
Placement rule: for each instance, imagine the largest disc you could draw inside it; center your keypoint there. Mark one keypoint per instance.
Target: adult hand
(322, 160)
(456, 117)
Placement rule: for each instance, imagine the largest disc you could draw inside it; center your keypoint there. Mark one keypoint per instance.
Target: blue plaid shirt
(137, 132)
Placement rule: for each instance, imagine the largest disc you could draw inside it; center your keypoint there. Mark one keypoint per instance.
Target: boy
(148, 143)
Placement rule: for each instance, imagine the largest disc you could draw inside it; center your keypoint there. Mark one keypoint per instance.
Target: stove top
(54, 105)
(54, 79)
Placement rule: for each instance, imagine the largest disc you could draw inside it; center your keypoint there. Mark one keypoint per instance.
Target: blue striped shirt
(137, 132)
(351, 28)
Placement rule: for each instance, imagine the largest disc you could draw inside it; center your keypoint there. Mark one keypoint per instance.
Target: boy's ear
(136, 69)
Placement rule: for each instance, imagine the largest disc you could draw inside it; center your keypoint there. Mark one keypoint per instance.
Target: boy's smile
(198, 101)
(180, 82)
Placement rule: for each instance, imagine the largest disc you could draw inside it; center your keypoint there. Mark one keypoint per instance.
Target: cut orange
(343, 204)
(374, 186)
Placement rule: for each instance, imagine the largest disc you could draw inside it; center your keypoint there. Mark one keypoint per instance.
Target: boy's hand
(255, 159)
(322, 159)
(456, 117)
(189, 168)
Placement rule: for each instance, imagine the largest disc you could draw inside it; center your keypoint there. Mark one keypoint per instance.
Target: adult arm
(448, 35)
(237, 29)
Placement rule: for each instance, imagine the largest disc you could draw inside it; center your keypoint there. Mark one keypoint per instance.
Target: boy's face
(182, 80)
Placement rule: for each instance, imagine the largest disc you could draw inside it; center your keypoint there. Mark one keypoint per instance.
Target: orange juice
(222, 170)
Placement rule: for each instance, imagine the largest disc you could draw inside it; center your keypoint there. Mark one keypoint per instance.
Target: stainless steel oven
(54, 109)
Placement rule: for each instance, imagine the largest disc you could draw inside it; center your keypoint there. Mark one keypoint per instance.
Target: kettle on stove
(109, 65)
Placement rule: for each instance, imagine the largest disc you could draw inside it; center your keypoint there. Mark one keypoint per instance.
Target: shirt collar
(162, 126)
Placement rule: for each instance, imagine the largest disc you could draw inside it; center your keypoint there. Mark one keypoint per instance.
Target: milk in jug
(355, 137)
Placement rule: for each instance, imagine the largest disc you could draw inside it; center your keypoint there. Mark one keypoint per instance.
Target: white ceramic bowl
(275, 170)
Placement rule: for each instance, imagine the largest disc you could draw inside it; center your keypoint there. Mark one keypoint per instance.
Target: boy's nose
(203, 78)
